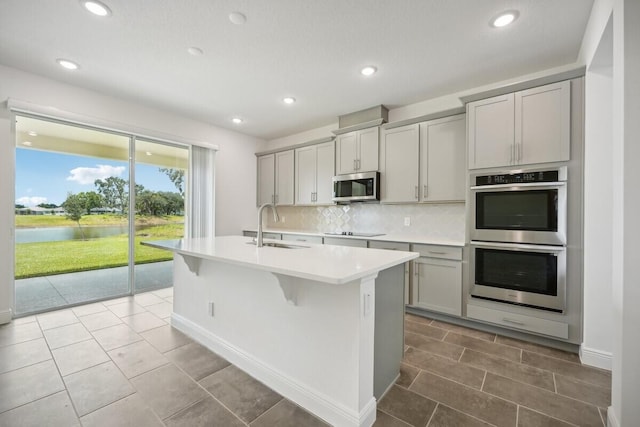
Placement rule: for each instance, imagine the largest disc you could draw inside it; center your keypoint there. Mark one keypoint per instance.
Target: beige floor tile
(167, 390)
(587, 374)
(66, 335)
(426, 330)
(452, 351)
(196, 360)
(205, 413)
(28, 384)
(603, 415)
(127, 308)
(517, 371)
(56, 319)
(117, 300)
(147, 298)
(116, 336)
(444, 367)
(137, 358)
(408, 373)
(143, 321)
(15, 333)
(85, 310)
(491, 409)
(386, 420)
(536, 348)
(407, 406)
(96, 387)
(599, 396)
(96, 321)
(79, 356)
(418, 319)
(483, 346)
(242, 394)
(24, 320)
(23, 354)
(287, 414)
(449, 417)
(165, 338)
(529, 418)
(462, 330)
(163, 293)
(162, 310)
(552, 404)
(130, 411)
(53, 410)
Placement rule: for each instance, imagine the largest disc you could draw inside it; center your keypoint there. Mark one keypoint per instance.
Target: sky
(47, 177)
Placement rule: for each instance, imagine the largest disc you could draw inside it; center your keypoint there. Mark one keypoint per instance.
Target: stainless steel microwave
(356, 187)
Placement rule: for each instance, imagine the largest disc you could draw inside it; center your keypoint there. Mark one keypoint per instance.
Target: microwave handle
(540, 185)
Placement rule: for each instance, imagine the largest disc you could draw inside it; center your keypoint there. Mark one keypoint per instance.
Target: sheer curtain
(202, 218)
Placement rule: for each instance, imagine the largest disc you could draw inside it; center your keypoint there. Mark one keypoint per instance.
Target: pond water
(56, 234)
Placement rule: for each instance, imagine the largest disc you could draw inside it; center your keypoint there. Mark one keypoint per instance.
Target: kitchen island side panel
(323, 346)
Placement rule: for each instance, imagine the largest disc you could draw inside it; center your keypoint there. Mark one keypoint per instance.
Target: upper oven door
(520, 213)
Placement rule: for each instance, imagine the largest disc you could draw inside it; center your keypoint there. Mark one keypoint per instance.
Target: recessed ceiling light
(27, 143)
(69, 65)
(504, 19)
(237, 120)
(32, 133)
(368, 70)
(96, 8)
(289, 100)
(237, 18)
(195, 51)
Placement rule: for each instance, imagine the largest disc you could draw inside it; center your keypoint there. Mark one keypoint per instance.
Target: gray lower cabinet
(437, 279)
(397, 246)
(274, 236)
(302, 238)
(337, 241)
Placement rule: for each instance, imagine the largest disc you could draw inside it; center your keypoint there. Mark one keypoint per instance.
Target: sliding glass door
(78, 222)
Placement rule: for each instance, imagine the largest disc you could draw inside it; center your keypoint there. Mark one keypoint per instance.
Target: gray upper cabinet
(275, 178)
(399, 164)
(526, 127)
(314, 168)
(424, 162)
(357, 151)
(442, 159)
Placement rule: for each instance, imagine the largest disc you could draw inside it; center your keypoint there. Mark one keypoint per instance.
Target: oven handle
(540, 248)
(515, 186)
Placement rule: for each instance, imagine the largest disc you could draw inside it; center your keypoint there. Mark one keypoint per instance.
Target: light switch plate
(407, 221)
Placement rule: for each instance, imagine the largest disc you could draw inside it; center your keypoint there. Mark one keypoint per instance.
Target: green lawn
(30, 221)
(47, 258)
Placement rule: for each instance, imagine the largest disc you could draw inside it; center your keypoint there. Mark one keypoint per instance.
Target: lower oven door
(531, 275)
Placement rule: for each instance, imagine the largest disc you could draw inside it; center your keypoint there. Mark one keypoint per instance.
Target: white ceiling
(309, 49)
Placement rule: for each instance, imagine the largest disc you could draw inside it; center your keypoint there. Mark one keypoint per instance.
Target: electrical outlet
(407, 221)
(211, 309)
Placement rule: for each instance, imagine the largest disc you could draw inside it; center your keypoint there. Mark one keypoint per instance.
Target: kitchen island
(320, 324)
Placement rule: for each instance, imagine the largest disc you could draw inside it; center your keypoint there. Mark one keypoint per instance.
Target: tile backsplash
(445, 220)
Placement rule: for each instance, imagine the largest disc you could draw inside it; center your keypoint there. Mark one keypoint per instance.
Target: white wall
(597, 344)
(235, 160)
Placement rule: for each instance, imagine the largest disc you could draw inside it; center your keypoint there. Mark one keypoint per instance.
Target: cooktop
(353, 233)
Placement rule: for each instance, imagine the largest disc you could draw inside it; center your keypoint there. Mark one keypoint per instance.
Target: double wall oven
(519, 237)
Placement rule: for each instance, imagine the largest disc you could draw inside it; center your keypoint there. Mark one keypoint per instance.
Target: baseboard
(597, 358)
(612, 421)
(5, 316)
(315, 402)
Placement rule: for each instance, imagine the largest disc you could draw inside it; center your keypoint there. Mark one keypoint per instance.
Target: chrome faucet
(275, 218)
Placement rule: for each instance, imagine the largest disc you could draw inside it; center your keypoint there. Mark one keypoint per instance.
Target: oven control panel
(518, 178)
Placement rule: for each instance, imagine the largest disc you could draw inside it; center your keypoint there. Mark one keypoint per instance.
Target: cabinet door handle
(425, 192)
(276, 199)
(519, 151)
(273, 199)
(355, 164)
(513, 149)
(437, 253)
(416, 194)
(515, 322)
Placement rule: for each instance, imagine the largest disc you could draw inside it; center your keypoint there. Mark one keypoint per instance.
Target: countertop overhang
(323, 263)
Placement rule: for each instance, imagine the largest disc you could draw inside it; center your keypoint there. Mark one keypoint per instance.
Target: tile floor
(119, 363)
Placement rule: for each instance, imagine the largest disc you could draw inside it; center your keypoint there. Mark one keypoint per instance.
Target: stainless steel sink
(280, 245)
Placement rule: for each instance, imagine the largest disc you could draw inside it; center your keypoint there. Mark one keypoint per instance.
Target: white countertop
(404, 238)
(323, 263)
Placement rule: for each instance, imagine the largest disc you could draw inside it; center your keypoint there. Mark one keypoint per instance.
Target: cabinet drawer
(437, 251)
(393, 246)
(345, 242)
(519, 321)
(302, 238)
